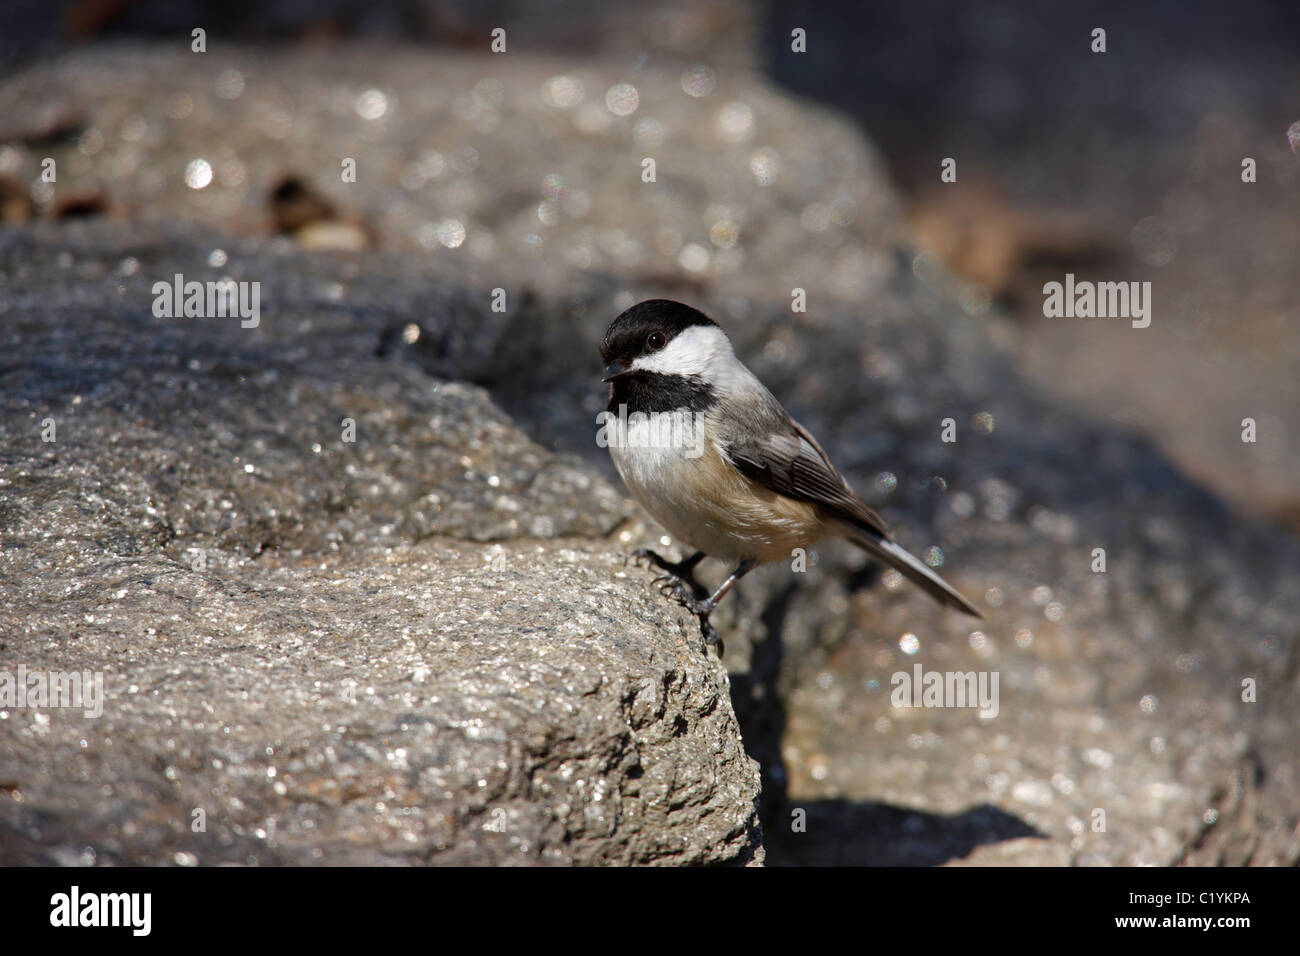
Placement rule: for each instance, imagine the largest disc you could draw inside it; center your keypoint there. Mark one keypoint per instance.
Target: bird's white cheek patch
(693, 351)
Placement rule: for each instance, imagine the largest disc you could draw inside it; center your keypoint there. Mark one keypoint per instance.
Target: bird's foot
(710, 635)
(678, 582)
(687, 592)
(684, 569)
(678, 579)
(649, 557)
(694, 599)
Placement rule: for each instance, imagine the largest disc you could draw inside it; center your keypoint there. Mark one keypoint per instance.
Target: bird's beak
(613, 370)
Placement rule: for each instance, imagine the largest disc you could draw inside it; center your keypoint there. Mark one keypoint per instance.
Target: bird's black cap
(626, 336)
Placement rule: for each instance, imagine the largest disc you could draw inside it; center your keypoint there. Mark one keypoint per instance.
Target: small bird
(710, 453)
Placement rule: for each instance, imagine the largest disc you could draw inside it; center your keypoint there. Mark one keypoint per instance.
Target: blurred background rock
(1123, 164)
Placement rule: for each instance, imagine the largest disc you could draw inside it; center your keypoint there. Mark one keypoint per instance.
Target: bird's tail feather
(911, 567)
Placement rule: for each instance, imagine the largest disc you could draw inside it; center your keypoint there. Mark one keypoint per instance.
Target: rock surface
(1120, 692)
(315, 642)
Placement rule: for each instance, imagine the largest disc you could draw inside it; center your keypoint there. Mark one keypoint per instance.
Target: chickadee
(711, 454)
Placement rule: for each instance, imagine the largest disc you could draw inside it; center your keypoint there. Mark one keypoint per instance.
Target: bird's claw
(710, 635)
(646, 555)
(679, 591)
(670, 585)
(686, 592)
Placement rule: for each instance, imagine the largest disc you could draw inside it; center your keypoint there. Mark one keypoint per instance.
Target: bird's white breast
(695, 492)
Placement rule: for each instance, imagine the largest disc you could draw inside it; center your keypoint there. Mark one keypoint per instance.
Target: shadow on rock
(845, 832)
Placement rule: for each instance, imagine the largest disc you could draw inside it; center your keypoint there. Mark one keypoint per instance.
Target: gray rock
(310, 640)
(410, 704)
(1119, 692)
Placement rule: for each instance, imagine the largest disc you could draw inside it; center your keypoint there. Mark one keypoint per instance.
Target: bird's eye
(656, 341)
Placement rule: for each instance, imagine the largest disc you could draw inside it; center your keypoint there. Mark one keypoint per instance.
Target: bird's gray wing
(789, 461)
